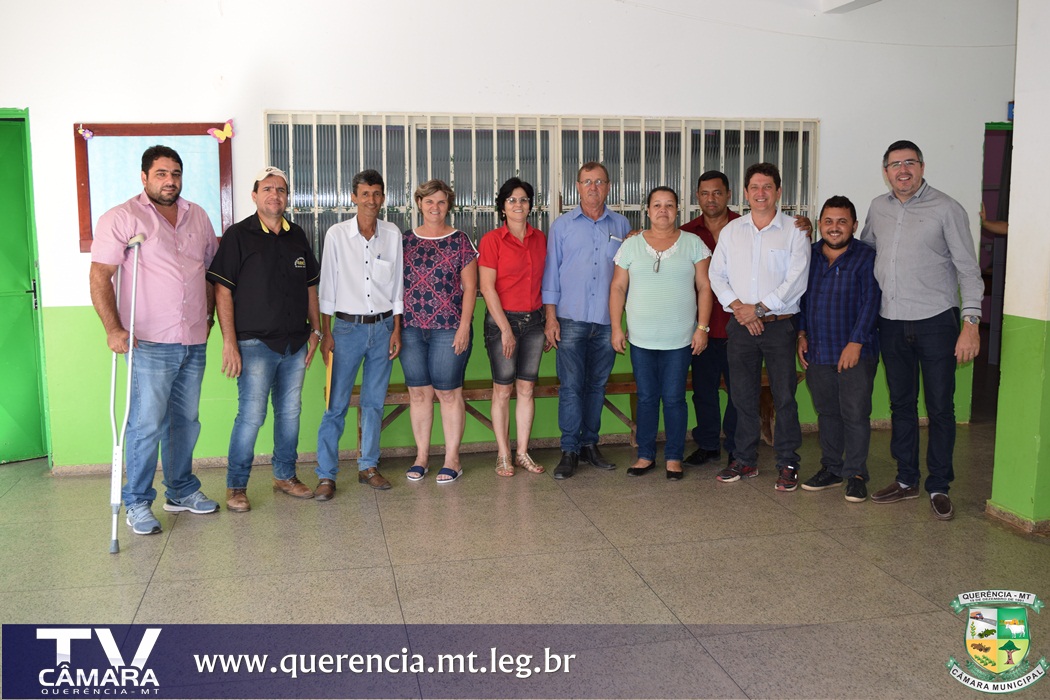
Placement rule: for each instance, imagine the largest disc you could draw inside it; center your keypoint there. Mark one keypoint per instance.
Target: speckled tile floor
(758, 594)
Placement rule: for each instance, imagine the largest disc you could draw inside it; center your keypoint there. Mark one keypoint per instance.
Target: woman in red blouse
(510, 268)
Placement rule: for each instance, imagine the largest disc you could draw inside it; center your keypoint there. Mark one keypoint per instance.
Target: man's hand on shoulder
(803, 224)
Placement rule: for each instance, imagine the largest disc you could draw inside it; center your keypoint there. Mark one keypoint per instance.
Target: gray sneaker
(196, 502)
(141, 519)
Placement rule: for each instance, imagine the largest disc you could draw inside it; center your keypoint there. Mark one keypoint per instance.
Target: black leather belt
(357, 318)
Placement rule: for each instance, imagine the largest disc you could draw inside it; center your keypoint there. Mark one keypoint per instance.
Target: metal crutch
(116, 476)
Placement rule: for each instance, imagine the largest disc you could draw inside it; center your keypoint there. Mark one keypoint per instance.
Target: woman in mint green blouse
(661, 280)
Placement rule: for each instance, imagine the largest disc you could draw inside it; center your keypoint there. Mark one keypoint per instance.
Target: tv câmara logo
(997, 641)
(66, 676)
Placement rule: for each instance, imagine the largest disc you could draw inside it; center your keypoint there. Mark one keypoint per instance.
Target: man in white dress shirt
(759, 271)
(362, 286)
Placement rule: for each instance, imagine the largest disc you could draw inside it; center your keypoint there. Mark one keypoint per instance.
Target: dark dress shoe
(676, 476)
(640, 471)
(942, 506)
(566, 465)
(701, 457)
(593, 456)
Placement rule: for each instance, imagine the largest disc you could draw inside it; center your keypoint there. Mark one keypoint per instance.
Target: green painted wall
(1021, 481)
(78, 376)
(78, 363)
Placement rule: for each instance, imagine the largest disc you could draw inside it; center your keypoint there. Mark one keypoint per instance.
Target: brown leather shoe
(941, 506)
(895, 492)
(325, 490)
(373, 478)
(237, 501)
(293, 487)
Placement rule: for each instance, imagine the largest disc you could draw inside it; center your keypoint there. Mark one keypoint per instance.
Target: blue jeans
(660, 376)
(584, 360)
(843, 403)
(709, 368)
(428, 358)
(265, 372)
(355, 344)
(776, 346)
(165, 397)
(907, 347)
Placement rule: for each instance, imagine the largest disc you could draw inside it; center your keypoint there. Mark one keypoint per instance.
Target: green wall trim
(79, 384)
(1021, 481)
(78, 378)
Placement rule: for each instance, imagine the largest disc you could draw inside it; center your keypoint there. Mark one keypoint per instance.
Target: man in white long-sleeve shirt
(759, 271)
(362, 286)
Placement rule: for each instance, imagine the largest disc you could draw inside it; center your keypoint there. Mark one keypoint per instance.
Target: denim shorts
(427, 358)
(525, 363)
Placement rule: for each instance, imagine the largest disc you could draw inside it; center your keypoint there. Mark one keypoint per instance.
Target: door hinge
(36, 300)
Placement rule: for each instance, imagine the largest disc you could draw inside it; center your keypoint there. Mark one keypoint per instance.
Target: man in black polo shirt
(265, 277)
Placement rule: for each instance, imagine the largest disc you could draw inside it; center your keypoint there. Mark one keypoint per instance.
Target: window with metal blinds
(475, 154)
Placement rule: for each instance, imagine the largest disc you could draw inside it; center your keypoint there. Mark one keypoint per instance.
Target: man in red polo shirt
(711, 366)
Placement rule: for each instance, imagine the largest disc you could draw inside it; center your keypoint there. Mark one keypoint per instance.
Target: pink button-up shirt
(172, 305)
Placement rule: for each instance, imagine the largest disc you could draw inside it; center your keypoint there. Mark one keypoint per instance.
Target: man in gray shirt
(924, 260)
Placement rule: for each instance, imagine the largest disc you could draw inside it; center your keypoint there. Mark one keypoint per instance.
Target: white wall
(1028, 258)
(932, 71)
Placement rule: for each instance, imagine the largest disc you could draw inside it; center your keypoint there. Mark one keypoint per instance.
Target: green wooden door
(21, 398)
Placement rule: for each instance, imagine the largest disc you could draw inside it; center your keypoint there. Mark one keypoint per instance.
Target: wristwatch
(761, 310)
(705, 329)
(318, 333)
(972, 319)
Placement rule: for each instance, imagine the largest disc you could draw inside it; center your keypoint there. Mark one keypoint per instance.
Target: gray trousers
(776, 346)
(843, 403)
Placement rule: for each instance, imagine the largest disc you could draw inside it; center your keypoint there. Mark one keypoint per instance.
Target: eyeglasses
(898, 164)
(515, 200)
(598, 183)
(659, 256)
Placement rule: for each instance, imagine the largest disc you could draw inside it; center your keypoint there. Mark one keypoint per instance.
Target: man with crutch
(174, 308)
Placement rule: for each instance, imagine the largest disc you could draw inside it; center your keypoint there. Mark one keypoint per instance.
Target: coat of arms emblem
(997, 641)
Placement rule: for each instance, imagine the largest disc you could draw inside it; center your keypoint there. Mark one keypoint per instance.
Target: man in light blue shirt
(759, 271)
(576, 278)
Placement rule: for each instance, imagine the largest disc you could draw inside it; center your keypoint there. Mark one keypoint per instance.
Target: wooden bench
(618, 385)
(481, 390)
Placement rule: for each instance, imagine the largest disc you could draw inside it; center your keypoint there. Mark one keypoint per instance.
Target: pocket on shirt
(613, 247)
(383, 271)
(780, 258)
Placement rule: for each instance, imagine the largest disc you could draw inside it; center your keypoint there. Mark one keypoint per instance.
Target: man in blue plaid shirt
(839, 348)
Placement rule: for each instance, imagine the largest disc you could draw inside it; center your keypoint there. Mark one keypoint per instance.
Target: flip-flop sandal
(416, 473)
(451, 473)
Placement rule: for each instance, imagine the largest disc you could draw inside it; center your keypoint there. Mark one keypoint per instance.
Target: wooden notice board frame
(98, 168)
